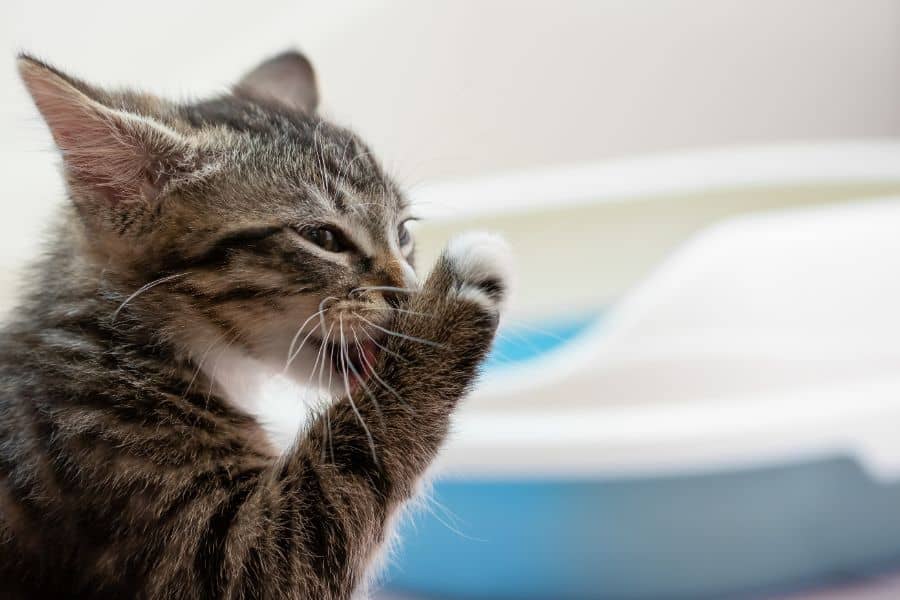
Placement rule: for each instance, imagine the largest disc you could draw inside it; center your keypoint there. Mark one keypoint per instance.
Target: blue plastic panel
(714, 535)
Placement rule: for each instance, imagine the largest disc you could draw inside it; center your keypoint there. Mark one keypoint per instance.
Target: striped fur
(125, 471)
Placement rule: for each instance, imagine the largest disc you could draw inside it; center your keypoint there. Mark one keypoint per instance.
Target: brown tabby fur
(124, 472)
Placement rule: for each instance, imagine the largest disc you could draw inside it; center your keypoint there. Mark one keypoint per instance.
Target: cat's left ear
(113, 157)
(287, 79)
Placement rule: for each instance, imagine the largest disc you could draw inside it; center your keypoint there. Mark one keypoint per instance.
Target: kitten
(248, 227)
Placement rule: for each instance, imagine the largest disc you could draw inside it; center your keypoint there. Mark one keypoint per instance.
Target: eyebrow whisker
(382, 288)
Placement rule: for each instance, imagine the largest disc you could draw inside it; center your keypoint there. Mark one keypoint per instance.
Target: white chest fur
(282, 406)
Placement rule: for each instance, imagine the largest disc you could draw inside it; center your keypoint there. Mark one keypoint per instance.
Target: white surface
(754, 167)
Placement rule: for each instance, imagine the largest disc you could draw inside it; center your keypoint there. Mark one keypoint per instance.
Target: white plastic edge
(857, 420)
(674, 173)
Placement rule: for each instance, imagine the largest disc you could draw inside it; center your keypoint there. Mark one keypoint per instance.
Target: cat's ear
(109, 153)
(287, 79)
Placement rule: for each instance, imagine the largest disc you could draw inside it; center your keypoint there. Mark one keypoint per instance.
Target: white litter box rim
(853, 419)
(623, 180)
(856, 420)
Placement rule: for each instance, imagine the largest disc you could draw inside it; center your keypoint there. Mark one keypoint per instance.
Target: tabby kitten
(206, 246)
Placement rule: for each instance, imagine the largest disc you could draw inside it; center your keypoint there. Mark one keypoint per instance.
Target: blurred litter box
(697, 394)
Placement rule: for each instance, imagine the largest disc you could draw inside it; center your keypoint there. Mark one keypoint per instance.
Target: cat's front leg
(388, 432)
(444, 334)
(376, 444)
(439, 339)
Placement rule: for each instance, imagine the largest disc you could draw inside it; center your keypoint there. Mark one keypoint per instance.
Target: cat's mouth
(356, 359)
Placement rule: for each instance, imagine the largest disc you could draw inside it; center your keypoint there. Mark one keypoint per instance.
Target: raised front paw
(478, 268)
(446, 330)
(459, 306)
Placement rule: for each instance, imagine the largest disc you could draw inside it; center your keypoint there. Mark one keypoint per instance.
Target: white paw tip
(478, 257)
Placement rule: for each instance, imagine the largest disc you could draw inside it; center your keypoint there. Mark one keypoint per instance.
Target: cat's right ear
(112, 156)
(287, 79)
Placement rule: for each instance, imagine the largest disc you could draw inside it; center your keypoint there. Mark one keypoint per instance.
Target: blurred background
(696, 394)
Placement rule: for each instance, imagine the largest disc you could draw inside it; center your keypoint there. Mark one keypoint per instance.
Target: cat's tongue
(363, 357)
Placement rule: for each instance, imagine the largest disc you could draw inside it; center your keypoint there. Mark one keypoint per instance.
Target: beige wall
(452, 88)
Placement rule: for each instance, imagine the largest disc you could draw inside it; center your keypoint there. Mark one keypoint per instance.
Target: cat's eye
(403, 235)
(326, 238)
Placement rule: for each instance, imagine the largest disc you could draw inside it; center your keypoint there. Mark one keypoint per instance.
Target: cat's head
(245, 219)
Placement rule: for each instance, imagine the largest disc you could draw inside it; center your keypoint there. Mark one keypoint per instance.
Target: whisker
(291, 354)
(322, 309)
(322, 351)
(450, 516)
(318, 365)
(343, 161)
(399, 310)
(520, 324)
(362, 382)
(321, 159)
(383, 288)
(391, 352)
(411, 338)
(202, 360)
(215, 370)
(377, 378)
(345, 169)
(519, 340)
(329, 437)
(144, 288)
(331, 362)
(505, 359)
(345, 361)
(320, 355)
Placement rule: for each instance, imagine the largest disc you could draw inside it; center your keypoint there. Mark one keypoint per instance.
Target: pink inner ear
(119, 156)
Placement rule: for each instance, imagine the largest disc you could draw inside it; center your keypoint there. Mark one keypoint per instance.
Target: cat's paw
(481, 267)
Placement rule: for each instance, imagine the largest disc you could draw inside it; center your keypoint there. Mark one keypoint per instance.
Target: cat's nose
(394, 281)
(394, 273)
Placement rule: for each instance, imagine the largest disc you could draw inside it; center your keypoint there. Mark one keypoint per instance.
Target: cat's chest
(281, 406)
